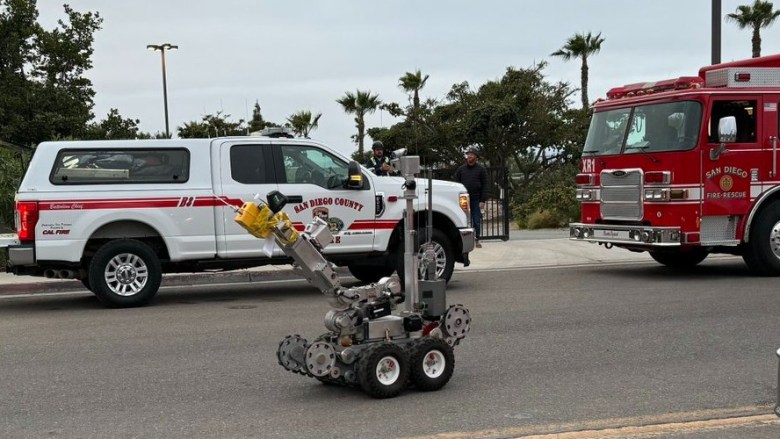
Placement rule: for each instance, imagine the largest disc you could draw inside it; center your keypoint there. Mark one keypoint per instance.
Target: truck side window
(306, 164)
(132, 165)
(247, 165)
(743, 111)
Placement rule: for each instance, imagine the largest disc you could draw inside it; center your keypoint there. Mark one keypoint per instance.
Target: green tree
(212, 125)
(257, 123)
(43, 91)
(360, 104)
(581, 46)
(759, 16)
(412, 83)
(114, 127)
(302, 123)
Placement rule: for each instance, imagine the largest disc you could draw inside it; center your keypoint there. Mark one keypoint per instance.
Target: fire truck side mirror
(727, 133)
(727, 129)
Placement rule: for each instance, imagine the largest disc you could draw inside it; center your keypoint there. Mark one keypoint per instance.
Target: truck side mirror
(727, 129)
(727, 133)
(354, 176)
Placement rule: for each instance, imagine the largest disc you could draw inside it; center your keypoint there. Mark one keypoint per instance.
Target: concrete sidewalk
(525, 248)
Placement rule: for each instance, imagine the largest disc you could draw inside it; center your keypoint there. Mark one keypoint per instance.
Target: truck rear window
(80, 166)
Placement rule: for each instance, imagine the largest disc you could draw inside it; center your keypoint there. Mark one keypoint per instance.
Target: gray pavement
(525, 248)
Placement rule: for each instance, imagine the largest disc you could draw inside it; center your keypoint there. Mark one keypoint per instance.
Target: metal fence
(496, 215)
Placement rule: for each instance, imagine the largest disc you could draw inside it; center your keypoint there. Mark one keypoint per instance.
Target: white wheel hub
(388, 370)
(434, 363)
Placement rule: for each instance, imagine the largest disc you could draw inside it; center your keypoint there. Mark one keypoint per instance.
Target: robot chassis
(370, 342)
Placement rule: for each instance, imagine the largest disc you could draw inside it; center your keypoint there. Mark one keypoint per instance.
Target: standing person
(474, 177)
(379, 164)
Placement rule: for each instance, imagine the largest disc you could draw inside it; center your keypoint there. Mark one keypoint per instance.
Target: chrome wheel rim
(126, 274)
(388, 370)
(439, 256)
(434, 363)
(774, 239)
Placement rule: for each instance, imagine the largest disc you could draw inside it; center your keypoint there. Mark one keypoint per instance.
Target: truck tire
(370, 273)
(680, 259)
(445, 260)
(125, 273)
(762, 251)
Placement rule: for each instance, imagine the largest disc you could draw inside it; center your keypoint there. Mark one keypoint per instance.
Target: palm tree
(302, 123)
(412, 83)
(758, 16)
(360, 104)
(581, 46)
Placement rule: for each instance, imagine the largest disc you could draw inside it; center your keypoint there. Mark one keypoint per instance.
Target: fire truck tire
(432, 363)
(762, 251)
(445, 260)
(370, 273)
(125, 273)
(383, 370)
(680, 259)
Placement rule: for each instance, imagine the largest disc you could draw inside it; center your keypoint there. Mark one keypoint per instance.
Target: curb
(169, 280)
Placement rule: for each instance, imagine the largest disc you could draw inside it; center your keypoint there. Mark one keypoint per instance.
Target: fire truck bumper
(626, 235)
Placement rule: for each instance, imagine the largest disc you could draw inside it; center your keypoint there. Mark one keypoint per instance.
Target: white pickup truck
(119, 214)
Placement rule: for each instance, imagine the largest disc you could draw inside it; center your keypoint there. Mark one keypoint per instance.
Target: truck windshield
(671, 126)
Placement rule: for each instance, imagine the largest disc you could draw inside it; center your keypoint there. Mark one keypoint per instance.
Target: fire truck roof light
(644, 88)
(742, 77)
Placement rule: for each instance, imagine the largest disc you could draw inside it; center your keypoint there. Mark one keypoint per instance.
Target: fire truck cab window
(745, 114)
(672, 126)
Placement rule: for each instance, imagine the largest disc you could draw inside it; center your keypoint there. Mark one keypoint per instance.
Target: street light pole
(162, 48)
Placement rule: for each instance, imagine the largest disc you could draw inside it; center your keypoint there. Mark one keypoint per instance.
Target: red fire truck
(685, 167)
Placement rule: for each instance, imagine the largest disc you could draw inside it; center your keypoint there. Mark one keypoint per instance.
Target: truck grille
(621, 194)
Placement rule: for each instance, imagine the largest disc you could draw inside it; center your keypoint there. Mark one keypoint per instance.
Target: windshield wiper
(592, 151)
(642, 150)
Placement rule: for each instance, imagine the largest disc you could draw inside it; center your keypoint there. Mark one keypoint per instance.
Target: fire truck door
(768, 178)
(726, 176)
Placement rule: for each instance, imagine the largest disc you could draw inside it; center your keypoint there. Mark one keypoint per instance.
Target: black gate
(495, 216)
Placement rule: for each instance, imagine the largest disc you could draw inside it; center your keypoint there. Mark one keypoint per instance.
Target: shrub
(553, 206)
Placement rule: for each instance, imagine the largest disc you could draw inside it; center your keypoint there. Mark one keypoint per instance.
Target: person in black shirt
(474, 177)
(379, 164)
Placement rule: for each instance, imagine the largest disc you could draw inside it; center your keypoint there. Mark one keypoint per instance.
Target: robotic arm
(305, 249)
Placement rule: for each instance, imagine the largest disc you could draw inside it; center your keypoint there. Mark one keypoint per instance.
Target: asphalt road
(622, 350)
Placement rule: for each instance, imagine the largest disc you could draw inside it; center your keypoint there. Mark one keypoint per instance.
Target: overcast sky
(293, 55)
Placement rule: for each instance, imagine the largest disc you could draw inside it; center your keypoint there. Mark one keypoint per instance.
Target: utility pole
(162, 48)
(716, 21)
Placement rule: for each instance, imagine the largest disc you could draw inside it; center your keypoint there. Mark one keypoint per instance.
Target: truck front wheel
(442, 248)
(125, 273)
(762, 252)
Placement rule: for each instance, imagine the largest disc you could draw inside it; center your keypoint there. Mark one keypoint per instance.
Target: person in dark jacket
(379, 163)
(474, 177)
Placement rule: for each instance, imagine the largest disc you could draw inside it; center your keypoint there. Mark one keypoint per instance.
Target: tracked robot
(380, 336)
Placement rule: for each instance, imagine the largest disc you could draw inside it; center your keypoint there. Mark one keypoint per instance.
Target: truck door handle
(294, 199)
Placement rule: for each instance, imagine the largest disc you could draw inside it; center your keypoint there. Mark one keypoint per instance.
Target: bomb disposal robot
(370, 342)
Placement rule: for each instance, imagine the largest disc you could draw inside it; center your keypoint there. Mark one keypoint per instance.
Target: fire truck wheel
(680, 259)
(383, 370)
(762, 252)
(445, 260)
(370, 273)
(432, 363)
(125, 273)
